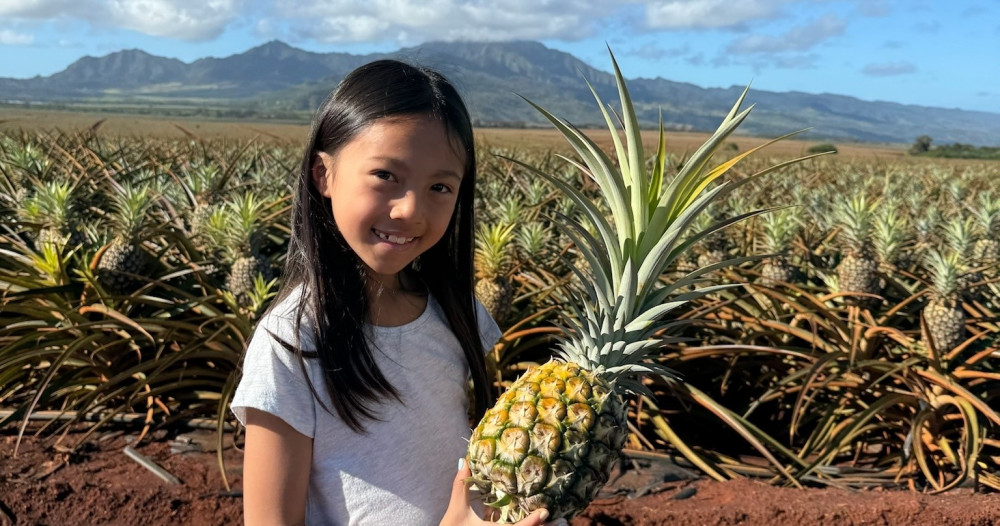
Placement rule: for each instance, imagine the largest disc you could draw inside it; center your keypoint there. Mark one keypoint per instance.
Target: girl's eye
(383, 174)
(441, 188)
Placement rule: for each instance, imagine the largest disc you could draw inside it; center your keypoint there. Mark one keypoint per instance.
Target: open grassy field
(119, 124)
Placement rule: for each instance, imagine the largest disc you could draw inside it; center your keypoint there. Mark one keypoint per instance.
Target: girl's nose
(406, 207)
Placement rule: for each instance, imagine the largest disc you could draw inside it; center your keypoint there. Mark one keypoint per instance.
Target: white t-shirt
(401, 471)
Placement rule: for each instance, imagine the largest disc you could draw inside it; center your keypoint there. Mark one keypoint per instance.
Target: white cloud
(412, 21)
(889, 69)
(13, 38)
(41, 9)
(801, 38)
(683, 14)
(178, 19)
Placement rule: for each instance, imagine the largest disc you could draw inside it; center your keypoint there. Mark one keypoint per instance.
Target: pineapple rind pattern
(945, 323)
(550, 441)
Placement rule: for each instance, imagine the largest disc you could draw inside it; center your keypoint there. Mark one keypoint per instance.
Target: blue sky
(925, 52)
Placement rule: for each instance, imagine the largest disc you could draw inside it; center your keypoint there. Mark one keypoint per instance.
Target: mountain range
(277, 77)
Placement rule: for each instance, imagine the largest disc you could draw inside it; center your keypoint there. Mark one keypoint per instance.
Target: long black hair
(331, 275)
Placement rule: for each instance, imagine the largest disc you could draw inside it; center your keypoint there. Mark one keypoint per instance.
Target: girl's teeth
(394, 239)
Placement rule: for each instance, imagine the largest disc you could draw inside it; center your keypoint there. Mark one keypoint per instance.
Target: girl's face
(393, 190)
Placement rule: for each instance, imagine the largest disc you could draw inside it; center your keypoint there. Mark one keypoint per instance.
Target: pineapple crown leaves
(958, 236)
(242, 232)
(890, 232)
(650, 219)
(944, 270)
(533, 239)
(130, 206)
(855, 216)
(778, 229)
(987, 215)
(493, 243)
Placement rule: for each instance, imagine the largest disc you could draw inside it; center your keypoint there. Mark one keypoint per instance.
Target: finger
(459, 489)
(536, 518)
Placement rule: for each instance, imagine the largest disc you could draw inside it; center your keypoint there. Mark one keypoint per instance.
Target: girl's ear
(322, 173)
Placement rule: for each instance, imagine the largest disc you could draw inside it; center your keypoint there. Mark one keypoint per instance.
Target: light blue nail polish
(461, 464)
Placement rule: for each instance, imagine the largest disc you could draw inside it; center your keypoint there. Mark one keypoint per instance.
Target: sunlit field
(859, 349)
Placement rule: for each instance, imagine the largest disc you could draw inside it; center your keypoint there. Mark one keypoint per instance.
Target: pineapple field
(840, 322)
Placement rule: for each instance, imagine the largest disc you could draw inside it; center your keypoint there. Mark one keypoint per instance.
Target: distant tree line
(922, 147)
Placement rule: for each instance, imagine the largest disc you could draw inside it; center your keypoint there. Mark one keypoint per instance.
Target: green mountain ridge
(279, 77)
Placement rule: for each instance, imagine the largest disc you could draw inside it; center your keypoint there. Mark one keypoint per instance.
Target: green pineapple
(551, 439)
(123, 261)
(858, 270)
(943, 313)
(204, 184)
(778, 229)
(958, 238)
(986, 249)
(241, 235)
(53, 209)
(494, 287)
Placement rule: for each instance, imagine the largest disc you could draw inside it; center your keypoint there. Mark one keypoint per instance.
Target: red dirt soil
(98, 484)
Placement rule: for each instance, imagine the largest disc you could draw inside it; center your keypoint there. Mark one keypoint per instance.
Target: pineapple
(204, 185)
(493, 266)
(242, 240)
(986, 250)
(551, 439)
(943, 313)
(958, 238)
(858, 270)
(778, 230)
(53, 209)
(124, 259)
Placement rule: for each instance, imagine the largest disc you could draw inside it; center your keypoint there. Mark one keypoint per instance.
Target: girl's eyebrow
(392, 161)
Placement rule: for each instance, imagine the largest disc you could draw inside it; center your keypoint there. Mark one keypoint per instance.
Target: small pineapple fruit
(551, 439)
(958, 238)
(778, 230)
(204, 185)
(858, 270)
(123, 260)
(494, 287)
(242, 242)
(53, 209)
(943, 313)
(986, 249)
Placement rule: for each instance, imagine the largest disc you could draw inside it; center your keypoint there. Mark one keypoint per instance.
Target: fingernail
(544, 514)
(461, 464)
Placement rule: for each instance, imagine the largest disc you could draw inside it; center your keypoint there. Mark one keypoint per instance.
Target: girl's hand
(460, 511)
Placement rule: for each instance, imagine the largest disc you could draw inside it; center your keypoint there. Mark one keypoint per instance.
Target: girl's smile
(392, 189)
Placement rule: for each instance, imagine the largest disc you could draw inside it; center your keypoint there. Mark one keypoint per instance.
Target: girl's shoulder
(280, 320)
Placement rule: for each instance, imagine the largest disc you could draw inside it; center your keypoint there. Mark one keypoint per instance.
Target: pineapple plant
(494, 287)
(890, 235)
(958, 238)
(943, 314)
(986, 249)
(239, 230)
(857, 272)
(551, 439)
(52, 209)
(122, 260)
(778, 229)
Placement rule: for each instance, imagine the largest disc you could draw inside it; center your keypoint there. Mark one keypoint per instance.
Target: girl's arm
(276, 466)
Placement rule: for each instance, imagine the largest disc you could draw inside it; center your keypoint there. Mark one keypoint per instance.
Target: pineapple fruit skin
(550, 442)
(945, 323)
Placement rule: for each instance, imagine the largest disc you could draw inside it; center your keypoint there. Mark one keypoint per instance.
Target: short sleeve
(273, 379)
(489, 331)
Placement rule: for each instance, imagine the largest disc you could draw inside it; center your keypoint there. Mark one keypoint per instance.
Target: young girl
(354, 384)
